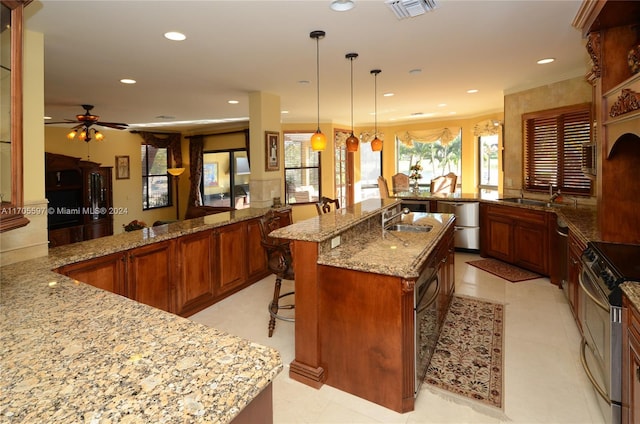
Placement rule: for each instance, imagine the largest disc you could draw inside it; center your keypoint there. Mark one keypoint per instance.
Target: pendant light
(318, 140)
(376, 143)
(352, 141)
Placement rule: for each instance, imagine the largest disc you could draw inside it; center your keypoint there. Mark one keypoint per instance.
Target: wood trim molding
(628, 101)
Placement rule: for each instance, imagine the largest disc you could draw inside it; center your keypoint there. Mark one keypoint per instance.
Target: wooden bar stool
(325, 205)
(279, 261)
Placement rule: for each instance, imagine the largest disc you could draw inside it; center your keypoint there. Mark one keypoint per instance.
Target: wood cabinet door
(530, 247)
(498, 238)
(106, 272)
(195, 278)
(232, 259)
(150, 275)
(256, 256)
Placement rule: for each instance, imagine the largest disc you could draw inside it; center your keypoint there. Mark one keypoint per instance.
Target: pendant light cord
(318, 77)
(351, 60)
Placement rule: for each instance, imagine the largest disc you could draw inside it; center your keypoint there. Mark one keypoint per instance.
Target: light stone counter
(362, 246)
(73, 353)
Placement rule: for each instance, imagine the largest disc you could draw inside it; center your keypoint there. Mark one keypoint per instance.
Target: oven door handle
(592, 297)
(594, 383)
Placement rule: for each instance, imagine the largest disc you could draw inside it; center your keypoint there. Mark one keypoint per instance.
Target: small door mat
(468, 360)
(503, 270)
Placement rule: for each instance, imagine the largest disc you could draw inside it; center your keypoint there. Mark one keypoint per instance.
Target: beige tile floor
(543, 379)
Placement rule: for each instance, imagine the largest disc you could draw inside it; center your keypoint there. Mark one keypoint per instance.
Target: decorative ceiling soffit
(628, 101)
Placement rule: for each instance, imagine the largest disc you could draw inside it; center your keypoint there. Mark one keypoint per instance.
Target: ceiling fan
(85, 123)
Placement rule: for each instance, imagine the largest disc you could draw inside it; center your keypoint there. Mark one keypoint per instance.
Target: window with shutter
(554, 141)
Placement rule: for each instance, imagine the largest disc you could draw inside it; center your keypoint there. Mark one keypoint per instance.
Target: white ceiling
(240, 46)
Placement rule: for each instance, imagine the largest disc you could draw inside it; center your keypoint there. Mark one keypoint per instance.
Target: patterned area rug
(503, 270)
(468, 357)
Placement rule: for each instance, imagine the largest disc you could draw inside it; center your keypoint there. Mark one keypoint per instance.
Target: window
(488, 151)
(554, 140)
(226, 176)
(436, 159)
(156, 190)
(370, 170)
(301, 169)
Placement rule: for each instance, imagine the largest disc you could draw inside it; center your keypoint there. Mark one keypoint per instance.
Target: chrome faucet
(386, 218)
(553, 196)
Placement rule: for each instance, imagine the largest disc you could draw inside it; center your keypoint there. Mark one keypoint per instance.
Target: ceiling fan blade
(116, 125)
(66, 121)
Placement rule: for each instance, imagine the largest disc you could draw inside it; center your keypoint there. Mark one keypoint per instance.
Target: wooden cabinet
(630, 363)
(574, 266)
(149, 272)
(445, 257)
(232, 257)
(11, 122)
(183, 275)
(195, 272)
(105, 272)
(256, 256)
(80, 199)
(516, 235)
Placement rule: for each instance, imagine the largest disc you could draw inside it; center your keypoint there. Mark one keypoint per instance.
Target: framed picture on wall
(122, 167)
(272, 150)
(211, 174)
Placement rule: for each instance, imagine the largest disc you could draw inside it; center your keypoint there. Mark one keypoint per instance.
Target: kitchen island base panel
(313, 377)
(259, 411)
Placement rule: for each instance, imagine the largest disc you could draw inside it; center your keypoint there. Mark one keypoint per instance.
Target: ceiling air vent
(410, 8)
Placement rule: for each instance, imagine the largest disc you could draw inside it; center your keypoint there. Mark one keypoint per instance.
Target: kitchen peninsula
(355, 299)
(74, 353)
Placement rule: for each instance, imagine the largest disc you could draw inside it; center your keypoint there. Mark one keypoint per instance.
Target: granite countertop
(75, 353)
(362, 246)
(76, 252)
(400, 254)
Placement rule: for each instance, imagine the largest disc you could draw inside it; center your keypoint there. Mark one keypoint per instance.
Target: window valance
(365, 137)
(170, 141)
(445, 135)
(486, 128)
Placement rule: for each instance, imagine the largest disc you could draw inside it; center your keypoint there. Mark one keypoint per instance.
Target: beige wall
(564, 93)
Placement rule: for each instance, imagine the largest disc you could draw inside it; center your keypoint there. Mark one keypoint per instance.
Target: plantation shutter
(554, 143)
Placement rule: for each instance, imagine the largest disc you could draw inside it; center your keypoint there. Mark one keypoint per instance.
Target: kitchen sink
(410, 228)
(531, 202)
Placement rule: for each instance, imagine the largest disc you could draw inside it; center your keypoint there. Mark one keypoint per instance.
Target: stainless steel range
(605, 267)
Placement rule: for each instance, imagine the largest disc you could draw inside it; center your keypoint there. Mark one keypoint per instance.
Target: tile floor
(543, 378)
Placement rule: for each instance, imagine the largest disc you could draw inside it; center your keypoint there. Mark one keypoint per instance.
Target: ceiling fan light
(72, 134)
(99, 136)
(376, 144)
(318, 141)
(352, 143)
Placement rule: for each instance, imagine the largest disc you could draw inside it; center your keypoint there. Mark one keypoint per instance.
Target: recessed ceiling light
(544, 61)
(175, 36)
(388, 94)
(472, 91)
(442, 105)
(415, 71)
(233, 102)
(127, 81)
(284, 111)
(47, 117)
(342, 5)
(303, 82)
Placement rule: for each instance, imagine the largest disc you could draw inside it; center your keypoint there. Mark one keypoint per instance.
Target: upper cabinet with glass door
(11, 29)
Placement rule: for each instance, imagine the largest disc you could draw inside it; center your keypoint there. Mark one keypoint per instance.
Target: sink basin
(531, 202)
(410, 228)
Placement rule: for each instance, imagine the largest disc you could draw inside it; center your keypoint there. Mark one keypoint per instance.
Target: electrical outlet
(335, 242)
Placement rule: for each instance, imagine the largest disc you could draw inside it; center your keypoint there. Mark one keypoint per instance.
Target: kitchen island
(75, 353)
(356, 293)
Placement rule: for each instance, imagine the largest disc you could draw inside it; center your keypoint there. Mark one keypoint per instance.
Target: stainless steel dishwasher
(467, 236)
